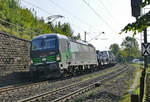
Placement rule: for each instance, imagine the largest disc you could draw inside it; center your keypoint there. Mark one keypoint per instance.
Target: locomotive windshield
(39, 44)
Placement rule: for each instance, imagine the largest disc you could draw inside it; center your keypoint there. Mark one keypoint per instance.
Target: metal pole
(85, 36)
(145, 41)
(144, 70)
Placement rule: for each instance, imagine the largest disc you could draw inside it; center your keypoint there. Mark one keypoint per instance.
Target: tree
(146, 2)
(131, 48)
(64, 28)
(12, 12)
(78, 37)
(130, 42)
(115, 49)
(141, 23)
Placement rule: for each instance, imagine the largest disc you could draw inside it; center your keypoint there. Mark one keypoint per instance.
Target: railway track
(69, 91)
(23, 86)
(17, 87)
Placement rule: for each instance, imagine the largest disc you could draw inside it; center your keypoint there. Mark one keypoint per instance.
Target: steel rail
(22, 85)
(17, 87)
(54, 92)
(84, 89)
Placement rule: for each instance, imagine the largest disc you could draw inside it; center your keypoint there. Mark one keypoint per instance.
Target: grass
(127, 97)
(147, 87)
(137, 90)
(92, 93)
(54, 89)
(114, 80)
(98, 75)
(88, 94)
(15, 32)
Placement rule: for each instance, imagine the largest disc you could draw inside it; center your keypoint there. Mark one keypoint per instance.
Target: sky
(91, 16)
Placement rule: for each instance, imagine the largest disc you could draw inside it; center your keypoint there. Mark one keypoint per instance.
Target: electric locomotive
(53, 55)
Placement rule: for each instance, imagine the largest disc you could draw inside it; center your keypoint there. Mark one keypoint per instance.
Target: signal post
(136, 12)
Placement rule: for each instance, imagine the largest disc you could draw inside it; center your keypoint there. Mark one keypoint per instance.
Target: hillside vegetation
(28, 24)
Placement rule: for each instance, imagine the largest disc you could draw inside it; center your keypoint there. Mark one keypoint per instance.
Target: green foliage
(138, 26)
(76, 37)
(141, 23)
(62, 29)
(146, 2)
(115, 49)
(12, 12)
(130, 42)
(130, 50)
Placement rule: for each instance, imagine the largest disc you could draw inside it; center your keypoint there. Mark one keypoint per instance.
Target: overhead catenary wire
(68, 12)
(96, 36)
(47, 12)
(2, 20)
(25, 1)
(91, 34)
(60, 7)
(17, 26)
(99, 16)
(108, 11)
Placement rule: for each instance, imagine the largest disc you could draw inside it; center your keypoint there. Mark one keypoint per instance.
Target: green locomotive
(53, 55)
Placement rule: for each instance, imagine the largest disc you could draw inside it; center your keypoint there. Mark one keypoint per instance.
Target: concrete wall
(14, 57)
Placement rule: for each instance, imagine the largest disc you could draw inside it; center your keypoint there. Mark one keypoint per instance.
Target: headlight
(31, 62)
(43, 59)
(57, 57)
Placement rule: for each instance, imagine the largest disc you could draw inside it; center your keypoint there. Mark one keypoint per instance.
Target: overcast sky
(92, 16)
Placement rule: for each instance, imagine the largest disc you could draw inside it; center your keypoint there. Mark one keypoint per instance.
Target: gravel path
(134, 83)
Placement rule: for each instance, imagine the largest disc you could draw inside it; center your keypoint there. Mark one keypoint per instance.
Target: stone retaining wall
(14, 56)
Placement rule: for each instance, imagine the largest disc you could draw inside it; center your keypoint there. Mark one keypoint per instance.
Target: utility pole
(85, 36)
(136, 12)
(144, 70)
(145, 57)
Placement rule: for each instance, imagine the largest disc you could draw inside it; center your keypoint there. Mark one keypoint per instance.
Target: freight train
(105, 58)
(55, 55)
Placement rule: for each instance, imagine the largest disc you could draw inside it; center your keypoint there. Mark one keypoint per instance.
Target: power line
(50, 13)
(98, 15)
(100, 1)
(36, 6)
(96, 36)
(77, 26)
(68, 12)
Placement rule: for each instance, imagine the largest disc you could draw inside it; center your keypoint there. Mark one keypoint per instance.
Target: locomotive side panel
(82, 54)
(65, 53)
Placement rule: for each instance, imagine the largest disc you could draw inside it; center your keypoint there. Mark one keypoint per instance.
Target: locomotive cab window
(44, 44)
(37, 44)
(50, 43)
